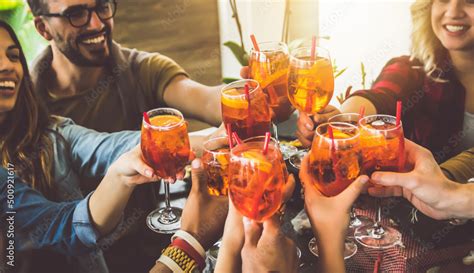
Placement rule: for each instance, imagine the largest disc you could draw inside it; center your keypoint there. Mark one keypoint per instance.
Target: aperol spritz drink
(382, 143)
(311, 81)
(248, 114)
(165, 147)
(256, 180)
(215, 158)
(269, 67)
(335, 164)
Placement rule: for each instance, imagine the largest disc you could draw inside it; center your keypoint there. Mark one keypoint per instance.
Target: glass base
(287, 150)
(380, 238)
(350, 248)
(295, 159)
(165, 220)
(360, 221)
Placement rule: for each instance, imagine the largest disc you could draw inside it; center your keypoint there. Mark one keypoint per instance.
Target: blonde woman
(435, 83)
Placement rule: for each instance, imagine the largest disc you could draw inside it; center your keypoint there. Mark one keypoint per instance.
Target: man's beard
(70, 49)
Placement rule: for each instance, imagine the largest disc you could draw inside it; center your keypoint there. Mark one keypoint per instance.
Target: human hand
(131, 169)
(245, 72)
(233, 239)
(267, 249)
(329, 216)
(425, 186)
(306, 124)
(203, 215)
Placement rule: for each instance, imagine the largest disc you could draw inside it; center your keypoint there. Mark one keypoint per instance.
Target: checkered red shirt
(433, 112)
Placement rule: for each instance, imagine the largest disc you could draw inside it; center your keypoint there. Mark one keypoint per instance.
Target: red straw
(270, 89)
(247, 92)
(236, 138)
(331, 135)
(399, 112)
(229, 135)
(313, 48)
(267, 141)
(361, 112)
(333, 150)
(147, 119)
(254, 42)
(377, 263)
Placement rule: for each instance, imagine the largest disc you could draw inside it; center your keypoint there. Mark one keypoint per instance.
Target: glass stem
(167, 194)
(275, 131)
(378, 218)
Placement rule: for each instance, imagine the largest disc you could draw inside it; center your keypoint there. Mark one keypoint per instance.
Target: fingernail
(364, 179)
(196, 164)
(246, 221)
(308, 126)
(375, 176)
(148, 173)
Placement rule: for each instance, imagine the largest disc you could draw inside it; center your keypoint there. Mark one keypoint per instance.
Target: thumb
(252, 232)
(349, 195)
(198, 176)
(393, 179)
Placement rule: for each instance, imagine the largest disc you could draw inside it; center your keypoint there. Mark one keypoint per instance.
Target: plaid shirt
(433, 111)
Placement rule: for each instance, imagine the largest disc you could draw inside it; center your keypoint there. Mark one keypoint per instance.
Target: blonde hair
(426, 47)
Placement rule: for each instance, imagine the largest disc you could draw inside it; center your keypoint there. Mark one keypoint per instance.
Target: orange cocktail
(335, 164)
(256, 180)
(311, 82)
(248, 115)
(165, 148)
(382, 143)
(165, 145)
(269, 67)
(215, 158)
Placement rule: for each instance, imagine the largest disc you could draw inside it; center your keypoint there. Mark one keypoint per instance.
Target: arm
(92, 152)
(185, 94)
(329, 217)
(72, 227)
(460, 168)
(426, 187)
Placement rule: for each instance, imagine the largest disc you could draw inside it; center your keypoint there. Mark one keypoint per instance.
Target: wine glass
(165, 148)
(382, 143)
(256, 179)
(335, 162)
(215, 159)
(355, 220)
(269, 66)
(310, 84)
(245, 108)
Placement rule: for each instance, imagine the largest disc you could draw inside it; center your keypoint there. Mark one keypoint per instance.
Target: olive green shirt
(134, 82)
(461, 167)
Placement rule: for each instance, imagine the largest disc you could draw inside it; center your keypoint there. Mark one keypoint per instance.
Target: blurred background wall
(184, 30)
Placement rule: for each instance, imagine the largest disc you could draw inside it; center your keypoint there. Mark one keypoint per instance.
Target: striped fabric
(433, 111)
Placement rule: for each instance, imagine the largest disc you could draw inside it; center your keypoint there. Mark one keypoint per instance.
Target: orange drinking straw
(361, 112)
(271, 91)
(236, 138)
(229, 135)
(254, 42)
(313, 48)
(267, 141)
(399, 112)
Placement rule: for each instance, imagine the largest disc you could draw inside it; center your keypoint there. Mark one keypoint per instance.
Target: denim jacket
(66, 227)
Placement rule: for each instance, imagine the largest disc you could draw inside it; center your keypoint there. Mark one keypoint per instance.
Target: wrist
(462, 200)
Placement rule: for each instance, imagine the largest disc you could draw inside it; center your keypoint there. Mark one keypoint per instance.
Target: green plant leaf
(238, 52)
(363, 74)
(10, 4)
(228, 80)
(340, 72)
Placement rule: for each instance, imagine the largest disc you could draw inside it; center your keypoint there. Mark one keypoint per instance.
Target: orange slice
(259, 159)
(165, 120)
(234, 99)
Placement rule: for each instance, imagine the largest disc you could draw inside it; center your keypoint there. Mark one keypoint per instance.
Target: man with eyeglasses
(88, 77)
